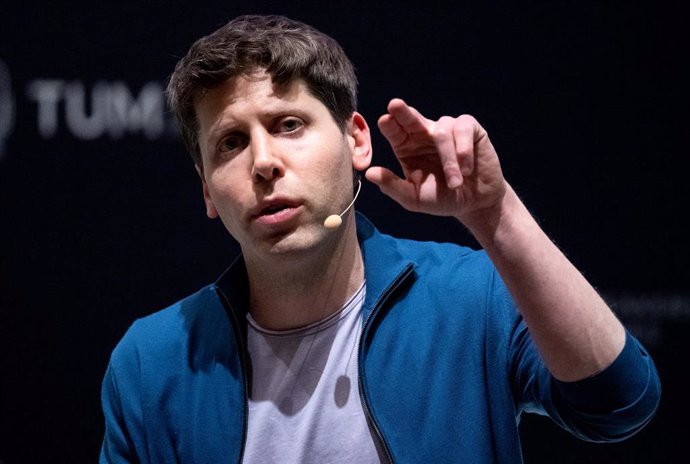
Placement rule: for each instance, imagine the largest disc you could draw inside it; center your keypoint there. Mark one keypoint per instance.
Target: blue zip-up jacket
(446, 368)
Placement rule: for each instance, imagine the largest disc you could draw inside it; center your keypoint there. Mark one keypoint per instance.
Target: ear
(211, 211)
(360, 142)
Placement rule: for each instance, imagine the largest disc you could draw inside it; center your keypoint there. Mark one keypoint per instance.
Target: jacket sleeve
(121, 410)
(607, 407)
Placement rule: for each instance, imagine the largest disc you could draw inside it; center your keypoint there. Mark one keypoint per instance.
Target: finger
(390, 184)
(408, 117)
(391, 130)
(464, 133)
(444, 139)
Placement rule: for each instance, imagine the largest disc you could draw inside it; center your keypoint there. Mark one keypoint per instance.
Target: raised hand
(450, 167)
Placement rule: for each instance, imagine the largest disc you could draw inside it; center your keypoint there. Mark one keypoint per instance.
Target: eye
(232, 142)
(289, 125)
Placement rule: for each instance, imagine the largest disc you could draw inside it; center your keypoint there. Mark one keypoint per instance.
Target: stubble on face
(313, 164)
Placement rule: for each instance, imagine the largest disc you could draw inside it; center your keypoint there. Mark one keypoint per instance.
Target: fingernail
(454, 182)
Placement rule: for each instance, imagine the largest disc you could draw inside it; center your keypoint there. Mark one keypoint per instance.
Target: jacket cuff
(619, 385)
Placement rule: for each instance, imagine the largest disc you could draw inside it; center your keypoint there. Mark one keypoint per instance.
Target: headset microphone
(334, 220)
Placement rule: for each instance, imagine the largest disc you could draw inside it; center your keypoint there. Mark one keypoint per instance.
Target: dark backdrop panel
(102, 219)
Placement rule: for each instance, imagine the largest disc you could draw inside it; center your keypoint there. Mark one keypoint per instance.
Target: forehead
(244, 94)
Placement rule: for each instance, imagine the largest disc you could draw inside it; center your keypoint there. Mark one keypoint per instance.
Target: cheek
(224, 198)
(329, 155)
(228, 209)
(224, 193)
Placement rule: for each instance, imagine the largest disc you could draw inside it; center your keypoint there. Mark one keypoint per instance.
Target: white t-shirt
(304, 406)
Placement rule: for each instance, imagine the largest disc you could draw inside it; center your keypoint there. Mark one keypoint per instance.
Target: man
(342, 344)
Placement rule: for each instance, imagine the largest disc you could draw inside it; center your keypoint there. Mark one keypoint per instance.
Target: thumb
(390, 184)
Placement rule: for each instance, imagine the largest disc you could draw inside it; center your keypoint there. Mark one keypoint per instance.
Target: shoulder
(435, 251)
(166, 332)
(443, 258)
(421, 253)
(455, 284)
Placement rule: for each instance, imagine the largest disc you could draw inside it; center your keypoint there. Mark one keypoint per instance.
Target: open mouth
(277, 212)
(273, 209)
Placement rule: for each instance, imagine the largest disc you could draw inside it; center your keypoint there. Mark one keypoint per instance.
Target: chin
(297, 243)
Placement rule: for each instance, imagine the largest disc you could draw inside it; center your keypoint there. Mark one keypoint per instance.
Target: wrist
(489, 223)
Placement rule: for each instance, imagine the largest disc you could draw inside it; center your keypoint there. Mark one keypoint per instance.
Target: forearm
(575, 331)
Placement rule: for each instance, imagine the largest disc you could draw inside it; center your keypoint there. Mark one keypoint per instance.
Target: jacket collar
(384, 266)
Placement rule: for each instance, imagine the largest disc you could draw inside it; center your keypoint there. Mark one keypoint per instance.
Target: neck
(300, 291)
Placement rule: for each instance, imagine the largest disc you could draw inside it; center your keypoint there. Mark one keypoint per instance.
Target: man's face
(276, 164)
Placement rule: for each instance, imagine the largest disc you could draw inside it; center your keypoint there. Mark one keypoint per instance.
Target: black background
(586, 104)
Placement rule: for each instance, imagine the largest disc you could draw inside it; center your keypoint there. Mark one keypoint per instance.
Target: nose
(267, 163)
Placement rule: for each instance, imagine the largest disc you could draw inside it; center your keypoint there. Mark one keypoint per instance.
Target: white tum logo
(6, 106)
(106, 109)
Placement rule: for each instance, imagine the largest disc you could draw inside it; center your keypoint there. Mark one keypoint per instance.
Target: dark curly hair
(286, 49)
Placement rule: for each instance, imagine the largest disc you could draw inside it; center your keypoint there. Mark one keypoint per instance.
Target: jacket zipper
(362, 392)
(367, 412)
(243, 363)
